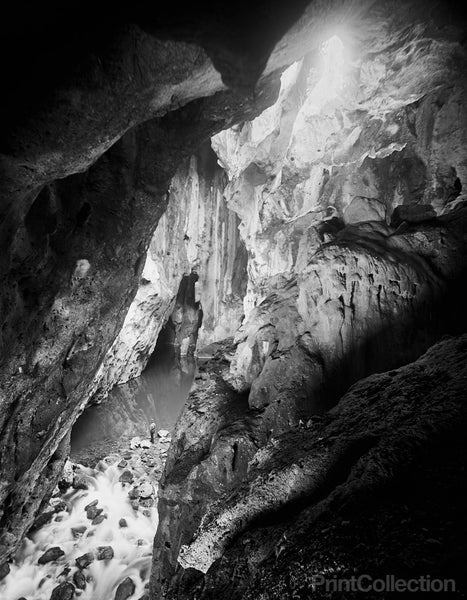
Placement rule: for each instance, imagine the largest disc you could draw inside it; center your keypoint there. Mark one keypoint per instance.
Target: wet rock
(133, 493)
(122, 464)
(91, 505)
(122, 523)
(80, 483)
(79, 580)
(64, 591)
(99, 519)
(4, 570)
(50, 555)
(59, 505)
(134, 504)
(93, 512)
(127, 455)
(125, 589)
(85, 560)
(126, 477)
(105, 553)
(42, 520)
(146, 502)
(147, 513)
(145, 489)
(77, 532)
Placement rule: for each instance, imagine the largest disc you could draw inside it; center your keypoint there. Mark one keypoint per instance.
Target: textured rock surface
(369, 299)
(349, 193)
(197, 233)
(380, 468)
(369, 123)
(73, 249)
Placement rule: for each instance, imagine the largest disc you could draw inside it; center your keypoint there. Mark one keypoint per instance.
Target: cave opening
(233, 352)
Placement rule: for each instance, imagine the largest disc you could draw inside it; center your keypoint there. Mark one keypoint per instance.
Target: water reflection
(158, 394)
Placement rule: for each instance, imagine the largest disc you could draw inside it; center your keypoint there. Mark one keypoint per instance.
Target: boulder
(93, 512)
(85, 560)
(50, 555)
(77, 532)
(79, 580)
(125, 589)
(64, 591)
(4, 570)
(98, 520)
(145, 489)
(105, 553)
(126, 477)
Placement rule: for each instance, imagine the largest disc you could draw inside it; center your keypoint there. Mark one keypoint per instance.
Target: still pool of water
(159, 395)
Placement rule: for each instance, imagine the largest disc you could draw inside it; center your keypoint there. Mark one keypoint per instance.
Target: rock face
(363, 467)
(194, 274)
(350, 199)
(85, 172)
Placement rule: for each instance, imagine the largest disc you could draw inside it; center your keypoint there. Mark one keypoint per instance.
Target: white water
(132, 545)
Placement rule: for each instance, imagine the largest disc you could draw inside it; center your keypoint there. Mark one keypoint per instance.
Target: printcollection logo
(388, 583)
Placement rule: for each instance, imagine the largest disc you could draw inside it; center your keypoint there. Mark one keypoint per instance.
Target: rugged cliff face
(349, 194)
(86, 165)
(197, 237)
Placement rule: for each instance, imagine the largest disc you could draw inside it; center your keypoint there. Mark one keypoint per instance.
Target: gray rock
(64, 591)
(78, 531)
(126, 477)
(93, 512)
(80, 483)
(42, 519)
(85, 560)
(125, 589)
(105, 552)
(4, 570)
(98, 520)
(79, 580)
(91, 504)
(122, 523)
(50, 555)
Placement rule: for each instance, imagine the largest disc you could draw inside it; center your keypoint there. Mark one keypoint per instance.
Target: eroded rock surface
(380, 469)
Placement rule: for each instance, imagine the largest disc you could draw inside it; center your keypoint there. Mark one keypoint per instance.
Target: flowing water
(105, 430)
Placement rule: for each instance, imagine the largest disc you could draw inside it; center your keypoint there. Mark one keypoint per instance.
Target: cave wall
(74, 268)
(349, 192)
(198, 237)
